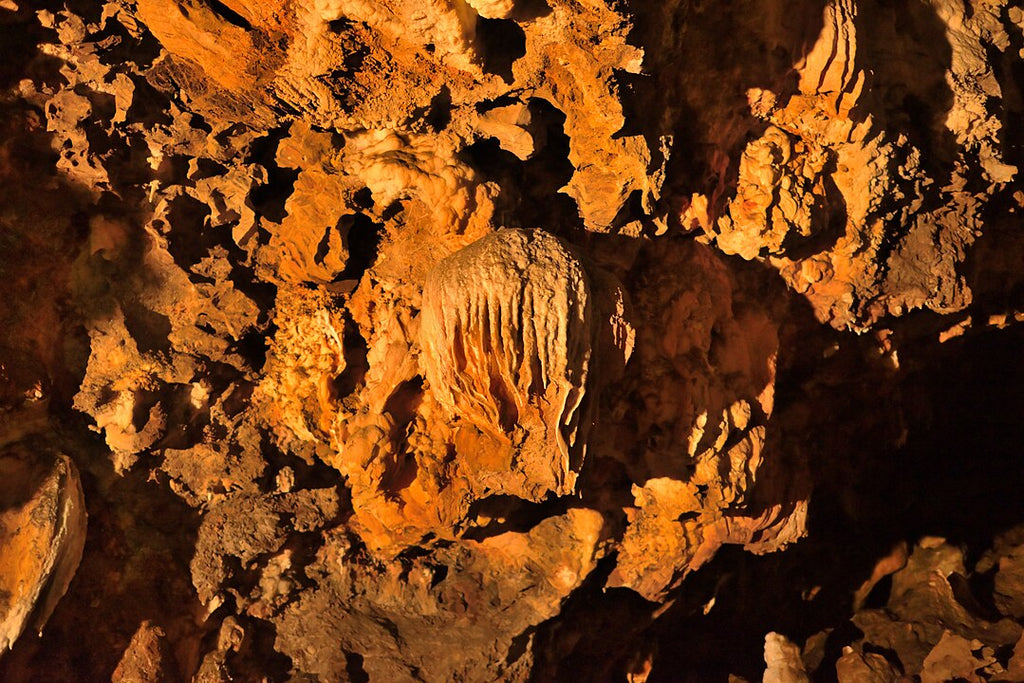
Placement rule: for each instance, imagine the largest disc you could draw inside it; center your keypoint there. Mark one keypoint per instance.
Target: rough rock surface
(42, 534)
(511, 340)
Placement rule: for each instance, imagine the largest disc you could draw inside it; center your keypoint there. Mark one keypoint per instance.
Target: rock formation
(511, 340)
(43, 534)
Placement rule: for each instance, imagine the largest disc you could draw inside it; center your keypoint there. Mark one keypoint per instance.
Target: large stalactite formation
(526, 340)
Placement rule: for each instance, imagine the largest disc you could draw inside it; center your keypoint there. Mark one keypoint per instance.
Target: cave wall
(508, 339)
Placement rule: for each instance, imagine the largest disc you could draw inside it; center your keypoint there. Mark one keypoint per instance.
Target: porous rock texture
(511, 340)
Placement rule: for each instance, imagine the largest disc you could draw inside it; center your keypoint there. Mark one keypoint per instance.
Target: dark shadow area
(700, 60)
(831, 213)
(229, 15)
(530, 196)
(256, 659)
(19, 54)
(905, 53)
(191, 242)
(362, 239)
(22, 473)
(964, 401)
(1009, 71)
(500, 43)
(595, 635)
(510, 514)
(356, 364)
(957, 476)
(528, 10)
(401, 407)
(268, 200)
(930, 448)
(438, 114)
(354, 668)
(992, 268)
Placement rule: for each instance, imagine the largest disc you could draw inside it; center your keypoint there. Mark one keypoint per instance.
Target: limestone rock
(865, 667)
(783, 661)
(507, 336)
(42, 534)
(458, 340)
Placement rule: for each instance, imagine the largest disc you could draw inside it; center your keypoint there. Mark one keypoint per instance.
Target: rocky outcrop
(42, 534)
(506, 338)
(467, 340)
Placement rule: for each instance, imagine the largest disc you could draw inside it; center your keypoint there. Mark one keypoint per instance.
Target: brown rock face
(510, 340)
(506, 345)
(42, 534)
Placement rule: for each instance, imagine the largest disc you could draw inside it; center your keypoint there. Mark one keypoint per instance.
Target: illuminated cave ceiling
(511, 340)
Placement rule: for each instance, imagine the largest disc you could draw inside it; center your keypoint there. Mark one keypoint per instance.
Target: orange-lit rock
(507, 335)
(459, 340)
(42, 534)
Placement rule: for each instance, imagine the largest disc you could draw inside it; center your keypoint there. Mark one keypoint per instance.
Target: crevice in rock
(502, 42)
